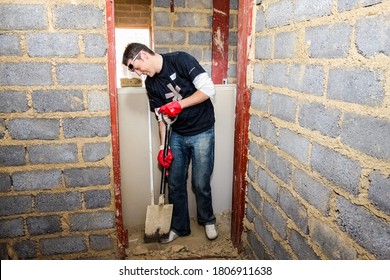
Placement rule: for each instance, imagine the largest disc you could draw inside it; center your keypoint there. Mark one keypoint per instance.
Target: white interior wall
(135, 153)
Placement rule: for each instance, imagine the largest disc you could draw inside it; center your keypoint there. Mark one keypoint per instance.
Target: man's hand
(165, 161)
(171, 109)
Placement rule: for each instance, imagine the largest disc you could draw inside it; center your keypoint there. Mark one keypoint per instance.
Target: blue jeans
(199, 149)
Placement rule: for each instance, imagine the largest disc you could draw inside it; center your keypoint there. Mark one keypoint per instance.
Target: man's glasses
(131, 66)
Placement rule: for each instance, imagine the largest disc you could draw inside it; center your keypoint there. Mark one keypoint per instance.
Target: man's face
(141, 64)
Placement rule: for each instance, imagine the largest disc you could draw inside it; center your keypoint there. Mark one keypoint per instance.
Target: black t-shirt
(174, 82)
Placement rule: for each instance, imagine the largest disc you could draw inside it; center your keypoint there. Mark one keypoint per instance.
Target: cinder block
(13, 101)
(256, 246)
(267, 184)
(199, 38)
(263, 47)
(250, 213)
(5, 182)
(283, 107)
(62, 245)
(92, 221)
(260, 20)
(46, 154)
(52, 45)
(190, 19)
(275, 219)
(10, 45)
(37, 180)
(54, 202)
(295, 145)
(11, 228)
(316, 116)
(201, 4)
(78, 17)
(251, 170)
(258, 73)
(57, 101)
(2, 128)
(268, 130)
(96, 151)
(347, 5)
(87, 127)
(254, 197)
(356, 85)
(294, 209)
(81, 74)
(95, 45)
(279, 14)
(285, 45)
(278, 166)
(265, 234)
(371, 38)
(97, 199)
(12, 155)
(309, 9)
(259, 100)
(44, 225)
(314, 192)
(306, 78)
(98, 101)
(301, 247)
(166, 4)
(101, 242)
(254, 125)
(329, 41)
(379, 191)
(14, 205)
(276, 74)
(25, 249)
(25, 74)
(257, 151)
(343, 172)
(171, 37)
(23, 17)
(84, 177)
(30, 129)
(354, 220)
(161, 19)
(367, 134)
(334, 245)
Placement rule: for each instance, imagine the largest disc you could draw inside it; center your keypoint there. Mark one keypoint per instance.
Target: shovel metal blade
(158, 222)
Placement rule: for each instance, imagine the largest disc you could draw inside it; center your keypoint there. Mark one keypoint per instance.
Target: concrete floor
(194, 246)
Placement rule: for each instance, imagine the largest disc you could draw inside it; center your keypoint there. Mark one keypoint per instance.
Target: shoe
(172, 236)
(211, 231)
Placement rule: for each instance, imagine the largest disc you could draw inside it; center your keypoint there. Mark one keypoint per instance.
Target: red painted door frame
(245, 13)
(122, 233)
(220, 43)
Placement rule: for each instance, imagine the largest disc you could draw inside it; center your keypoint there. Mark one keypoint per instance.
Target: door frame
(111, 54)
(245, 12)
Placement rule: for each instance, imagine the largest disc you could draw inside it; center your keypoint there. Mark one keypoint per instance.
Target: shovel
(159, 217)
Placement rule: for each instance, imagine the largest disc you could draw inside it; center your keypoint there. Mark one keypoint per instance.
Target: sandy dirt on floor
(196, 246)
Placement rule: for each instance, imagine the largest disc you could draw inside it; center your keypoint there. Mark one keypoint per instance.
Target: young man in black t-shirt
(177, 85)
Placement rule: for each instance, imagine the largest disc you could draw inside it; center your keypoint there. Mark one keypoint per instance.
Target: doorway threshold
(196, 246)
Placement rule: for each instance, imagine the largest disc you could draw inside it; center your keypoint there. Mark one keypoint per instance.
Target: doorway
(240, 140)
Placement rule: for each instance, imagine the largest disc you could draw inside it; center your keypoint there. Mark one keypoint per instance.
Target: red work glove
(165, 161)
(171, 109)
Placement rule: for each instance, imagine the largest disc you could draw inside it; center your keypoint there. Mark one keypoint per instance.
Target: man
(177, 85)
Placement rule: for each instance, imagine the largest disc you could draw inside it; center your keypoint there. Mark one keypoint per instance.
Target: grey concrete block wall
(318, 158)
(55, 132)
(190, 30)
